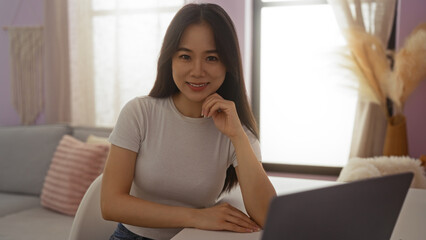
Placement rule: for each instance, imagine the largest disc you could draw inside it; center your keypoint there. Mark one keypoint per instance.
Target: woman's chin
(194, 98)
(197, 97)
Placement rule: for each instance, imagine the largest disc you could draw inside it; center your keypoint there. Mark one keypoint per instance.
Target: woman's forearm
(255, 186)
(138, 212)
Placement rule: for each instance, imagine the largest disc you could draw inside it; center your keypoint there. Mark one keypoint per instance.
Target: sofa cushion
(75, 165)
(35, 223)
(11, 203)
(82, 133)
(25, 156)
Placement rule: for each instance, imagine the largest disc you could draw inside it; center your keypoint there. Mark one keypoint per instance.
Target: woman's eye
(212, 58)
(184, 57)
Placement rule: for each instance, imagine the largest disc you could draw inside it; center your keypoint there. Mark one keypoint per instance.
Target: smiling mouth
(197, 85)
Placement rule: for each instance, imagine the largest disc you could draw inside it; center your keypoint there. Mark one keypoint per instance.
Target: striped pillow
(74, 166)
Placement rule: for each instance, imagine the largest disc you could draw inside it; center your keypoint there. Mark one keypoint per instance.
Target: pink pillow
(75, 165)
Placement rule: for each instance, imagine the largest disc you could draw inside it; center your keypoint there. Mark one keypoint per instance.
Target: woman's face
(197, 70)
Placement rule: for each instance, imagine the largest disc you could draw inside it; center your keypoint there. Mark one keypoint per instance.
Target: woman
(175, 151)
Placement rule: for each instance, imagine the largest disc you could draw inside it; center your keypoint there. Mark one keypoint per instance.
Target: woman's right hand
(224, 217)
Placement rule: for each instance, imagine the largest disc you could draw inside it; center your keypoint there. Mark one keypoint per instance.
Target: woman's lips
(197, 86)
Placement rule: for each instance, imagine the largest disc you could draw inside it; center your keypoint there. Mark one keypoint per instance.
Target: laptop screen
(365, 209)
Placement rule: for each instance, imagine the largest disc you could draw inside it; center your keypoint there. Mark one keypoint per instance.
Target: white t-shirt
(181, 161)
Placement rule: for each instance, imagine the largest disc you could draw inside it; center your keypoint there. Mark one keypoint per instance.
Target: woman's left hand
(224, 115)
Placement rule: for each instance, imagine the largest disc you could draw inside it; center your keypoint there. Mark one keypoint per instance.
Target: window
(305, 111)
(127, 37)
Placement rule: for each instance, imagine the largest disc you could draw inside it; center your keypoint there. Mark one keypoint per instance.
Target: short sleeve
(255, 145)
(128, 130)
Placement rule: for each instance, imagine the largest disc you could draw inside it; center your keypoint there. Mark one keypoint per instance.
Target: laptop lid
(365, 209)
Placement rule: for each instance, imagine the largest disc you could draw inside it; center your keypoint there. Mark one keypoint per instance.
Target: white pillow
(362, 168)
(92, 139)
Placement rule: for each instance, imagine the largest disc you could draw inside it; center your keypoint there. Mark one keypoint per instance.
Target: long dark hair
(225, 36)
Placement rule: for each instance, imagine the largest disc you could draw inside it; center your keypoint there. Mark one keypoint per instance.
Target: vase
(423, 160)
(396, 143)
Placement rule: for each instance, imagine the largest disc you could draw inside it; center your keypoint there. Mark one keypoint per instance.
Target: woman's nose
(198, 68)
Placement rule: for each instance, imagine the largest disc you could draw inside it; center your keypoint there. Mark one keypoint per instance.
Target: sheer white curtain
(81, 63)
(374, 17)
(56, 67)
(114, 47)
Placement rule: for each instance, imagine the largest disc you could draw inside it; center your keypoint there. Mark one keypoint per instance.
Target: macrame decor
(26, 62)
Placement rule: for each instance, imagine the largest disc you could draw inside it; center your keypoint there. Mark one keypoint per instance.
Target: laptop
(365, 209)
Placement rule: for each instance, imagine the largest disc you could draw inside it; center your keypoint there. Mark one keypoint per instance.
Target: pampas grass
(369, 62)
(361, 83)
(410, 67)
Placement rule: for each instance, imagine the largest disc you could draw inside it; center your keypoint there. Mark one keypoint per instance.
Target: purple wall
(30, 13)
(410, 14)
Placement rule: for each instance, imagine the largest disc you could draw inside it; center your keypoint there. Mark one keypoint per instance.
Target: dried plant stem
(369, 55)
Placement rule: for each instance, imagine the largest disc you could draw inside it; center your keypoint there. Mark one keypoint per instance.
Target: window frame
(255, 91)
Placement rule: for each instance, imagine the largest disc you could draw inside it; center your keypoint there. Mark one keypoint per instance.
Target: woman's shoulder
(146, 102)
(143, 108)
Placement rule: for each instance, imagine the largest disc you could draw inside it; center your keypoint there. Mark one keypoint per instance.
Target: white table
(411, 223)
